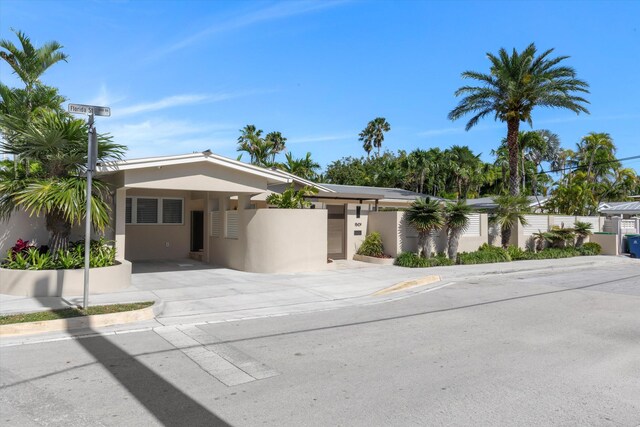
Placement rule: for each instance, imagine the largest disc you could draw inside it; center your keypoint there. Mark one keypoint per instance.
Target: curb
(84, 322)
(407, 284)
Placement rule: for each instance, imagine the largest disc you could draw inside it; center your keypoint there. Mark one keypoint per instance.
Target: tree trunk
(427, 245)
(421, 245)
(513, 126)
(59, 229)
(454, 239)
(579, 241)
(506, 236)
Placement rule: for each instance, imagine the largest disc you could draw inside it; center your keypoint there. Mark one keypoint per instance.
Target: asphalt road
(535, 348)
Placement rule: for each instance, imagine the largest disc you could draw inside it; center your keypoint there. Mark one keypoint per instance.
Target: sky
(185, 76)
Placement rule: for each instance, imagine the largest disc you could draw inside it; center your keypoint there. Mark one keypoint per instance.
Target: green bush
(591, 248)
(516, 253)
(372, 246)
(31, 258)
(485, 254)
(411, 260)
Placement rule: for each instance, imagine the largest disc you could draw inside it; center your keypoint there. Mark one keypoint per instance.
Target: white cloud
(105, 98)
(322, 138)
(167, 137)
(270, 13)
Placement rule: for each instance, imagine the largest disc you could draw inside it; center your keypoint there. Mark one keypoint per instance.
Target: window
(154, 210)
(172, 211)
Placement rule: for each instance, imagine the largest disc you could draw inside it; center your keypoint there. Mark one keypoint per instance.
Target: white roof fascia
(150, 162)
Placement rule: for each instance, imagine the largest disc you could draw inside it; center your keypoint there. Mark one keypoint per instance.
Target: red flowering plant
(21, 247)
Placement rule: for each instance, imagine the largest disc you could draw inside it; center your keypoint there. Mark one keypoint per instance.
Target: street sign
(89, 109)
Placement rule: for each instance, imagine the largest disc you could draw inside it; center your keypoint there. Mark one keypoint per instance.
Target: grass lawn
(66, 313)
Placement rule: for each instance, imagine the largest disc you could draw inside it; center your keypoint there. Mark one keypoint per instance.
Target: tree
(456, 222)
(427, 217)
(262, 151)
(56, 146)
(28, 62)
(510, 211)
(373, 135)
(582, 230)
(304, 167)
(516, 84)
(292, 198)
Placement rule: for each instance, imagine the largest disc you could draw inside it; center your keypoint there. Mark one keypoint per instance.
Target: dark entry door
(335, 228)
(197, 231)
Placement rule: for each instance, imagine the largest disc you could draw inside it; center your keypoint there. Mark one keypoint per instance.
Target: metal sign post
(92, 157)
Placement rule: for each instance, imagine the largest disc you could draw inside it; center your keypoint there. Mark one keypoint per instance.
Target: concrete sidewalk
(191, 293)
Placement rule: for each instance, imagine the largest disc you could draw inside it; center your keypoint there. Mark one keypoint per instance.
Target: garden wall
(56, 283)
(21, 226)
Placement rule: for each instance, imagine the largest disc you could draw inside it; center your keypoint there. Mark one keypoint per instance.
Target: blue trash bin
(634, 246)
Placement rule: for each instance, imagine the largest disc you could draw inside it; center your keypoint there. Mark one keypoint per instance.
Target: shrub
(372, 246)
(412, 260)
(485, 254)
(591, 248)
(516, 253)
(30, 258)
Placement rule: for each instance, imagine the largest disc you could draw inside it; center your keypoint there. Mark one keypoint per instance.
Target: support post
(91, 164)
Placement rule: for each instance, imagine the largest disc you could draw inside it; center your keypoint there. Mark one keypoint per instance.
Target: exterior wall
(22, 226)
(156, 242)
(398, 236)
(55, 283)
(353, 241)
(608, 242)
(274, 241)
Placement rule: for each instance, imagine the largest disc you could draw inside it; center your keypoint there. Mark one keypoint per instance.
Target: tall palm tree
(510, 211)
(276, 143)
(516, 84)
(427, 217)
(373, 135)
(249, 140)
(28, 62)
(456, 221)
(56, 146)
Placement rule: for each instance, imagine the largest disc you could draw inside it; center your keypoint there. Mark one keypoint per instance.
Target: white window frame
(134, 210)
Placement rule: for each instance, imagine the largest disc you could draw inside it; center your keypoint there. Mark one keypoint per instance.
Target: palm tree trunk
(59, 229)
(506, 236)
(454, 239)
(421, 239)
(513, 126)
(427, 245)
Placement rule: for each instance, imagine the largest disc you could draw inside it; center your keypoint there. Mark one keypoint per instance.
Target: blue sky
(184, 76)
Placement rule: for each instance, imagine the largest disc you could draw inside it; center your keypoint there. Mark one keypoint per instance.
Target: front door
(336, 227)
(197, 231)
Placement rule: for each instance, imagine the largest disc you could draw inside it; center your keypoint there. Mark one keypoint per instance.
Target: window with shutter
(147, 211)
(172, 211)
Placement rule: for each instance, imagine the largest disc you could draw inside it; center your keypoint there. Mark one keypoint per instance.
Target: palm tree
(304, 167)
(539, 240)
(56, 146)
(28, 62)
(276, 143)
(427, 217)
(456, 221)
(510, 211)
(516, 84)
(581, 230)
(373, 135)
(248, 141)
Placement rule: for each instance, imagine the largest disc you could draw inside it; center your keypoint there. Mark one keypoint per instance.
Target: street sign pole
(87, 229)
(92, 157)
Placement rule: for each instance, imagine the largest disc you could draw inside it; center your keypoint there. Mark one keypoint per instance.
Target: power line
(573, 168)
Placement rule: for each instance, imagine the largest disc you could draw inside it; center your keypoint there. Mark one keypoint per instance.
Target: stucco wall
(274, 241)
(354, 224)
(167, 241)
(398, 237)
(608, 242)
(50, 283)
(21, 226)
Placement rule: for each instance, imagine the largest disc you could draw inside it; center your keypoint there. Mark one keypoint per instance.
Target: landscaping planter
(374, 260)
(57, 283)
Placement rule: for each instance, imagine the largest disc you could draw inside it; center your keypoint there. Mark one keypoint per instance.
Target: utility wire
(576, 167)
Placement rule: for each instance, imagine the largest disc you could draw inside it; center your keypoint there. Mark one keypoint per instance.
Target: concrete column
(224, 207)
(120, 222)
(244, 202)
